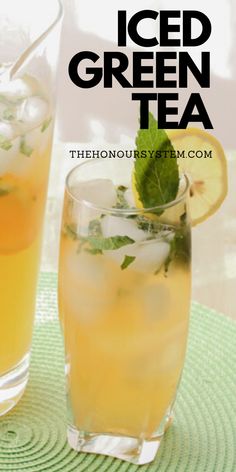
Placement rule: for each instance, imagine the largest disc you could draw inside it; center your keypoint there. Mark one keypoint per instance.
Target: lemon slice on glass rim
(206, 167)
(202, 159)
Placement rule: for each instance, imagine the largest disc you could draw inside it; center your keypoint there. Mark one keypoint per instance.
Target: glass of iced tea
(29, 38)
(124, 295)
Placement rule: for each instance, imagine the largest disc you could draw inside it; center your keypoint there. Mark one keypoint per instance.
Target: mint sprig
(109, 244)
(95, 243)
(180, 247)
(95, 228)
(156, 178)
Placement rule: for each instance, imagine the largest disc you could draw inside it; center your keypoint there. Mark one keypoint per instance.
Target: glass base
(135, 450)
(12, 385)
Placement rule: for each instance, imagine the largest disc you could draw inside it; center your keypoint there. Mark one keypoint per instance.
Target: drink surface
(124, 307)
(25, 146)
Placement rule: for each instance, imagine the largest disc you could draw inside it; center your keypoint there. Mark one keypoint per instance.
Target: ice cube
(33, 111)
(100, 192)
(86, 304)
(87, 269)
(85, 286)
(150, 255)
(118, 226)
(15, 89)
(6, 131)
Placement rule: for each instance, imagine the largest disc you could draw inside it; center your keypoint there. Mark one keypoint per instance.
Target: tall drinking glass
(29, 37)
(124, 293)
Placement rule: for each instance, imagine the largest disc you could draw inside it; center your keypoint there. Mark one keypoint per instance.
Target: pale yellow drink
(25, 146)
(125, 343)
(126, 328)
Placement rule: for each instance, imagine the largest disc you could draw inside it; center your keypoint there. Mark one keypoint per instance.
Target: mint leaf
(180, 247)
(151, 226)
(120, 195)
(5, 144)
(95, 243)
(46, 124)
(25, 148)
(127, 261)
(94, 228)
(94, 251)
(156, 178)
(109, 244)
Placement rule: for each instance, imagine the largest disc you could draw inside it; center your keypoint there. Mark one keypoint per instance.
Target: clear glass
(124, 295)
(29, 40)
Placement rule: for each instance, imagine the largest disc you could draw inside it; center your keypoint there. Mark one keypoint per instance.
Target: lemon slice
(207, 175)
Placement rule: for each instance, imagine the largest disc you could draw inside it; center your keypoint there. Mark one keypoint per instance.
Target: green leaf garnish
(180, 247)
(151, 226)
(127, 261)
(120, 195)
(46, 124)
(5, 144)
(95, 243)
(109, 244)
(156, 178)
(25, 148)
(94, 228)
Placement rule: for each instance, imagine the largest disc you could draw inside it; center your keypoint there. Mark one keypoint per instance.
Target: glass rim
(58, 16)
(124, 211)
(38, 40)
(51, 26)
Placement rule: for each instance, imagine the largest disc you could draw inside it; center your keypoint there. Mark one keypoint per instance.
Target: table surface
(214, 241)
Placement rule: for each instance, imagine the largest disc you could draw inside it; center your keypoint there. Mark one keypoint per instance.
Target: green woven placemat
(201, 439)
